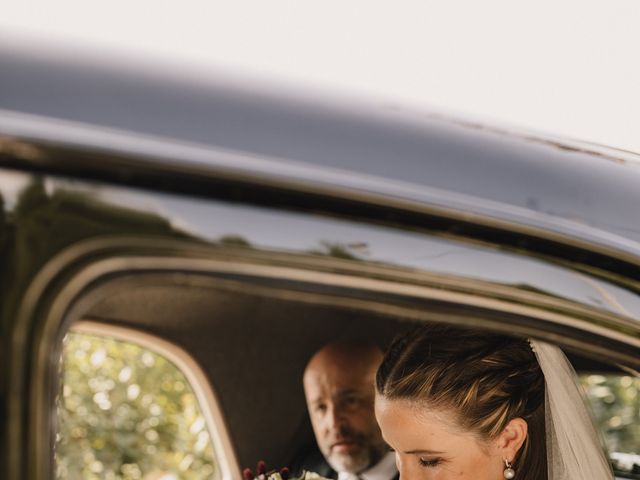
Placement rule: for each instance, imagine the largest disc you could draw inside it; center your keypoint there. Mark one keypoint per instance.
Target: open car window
(251, 336)
(615, 403)
(126, 411)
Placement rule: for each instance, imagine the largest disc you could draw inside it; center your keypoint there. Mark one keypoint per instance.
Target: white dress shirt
(385, 469)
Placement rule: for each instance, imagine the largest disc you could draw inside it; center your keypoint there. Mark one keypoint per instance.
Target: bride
(468, 405)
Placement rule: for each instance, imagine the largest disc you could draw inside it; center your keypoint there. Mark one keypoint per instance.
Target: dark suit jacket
(315, 462)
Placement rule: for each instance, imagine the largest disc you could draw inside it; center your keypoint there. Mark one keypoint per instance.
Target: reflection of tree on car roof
(42, 223)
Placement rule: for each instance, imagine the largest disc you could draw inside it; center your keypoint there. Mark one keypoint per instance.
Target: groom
(339, 389)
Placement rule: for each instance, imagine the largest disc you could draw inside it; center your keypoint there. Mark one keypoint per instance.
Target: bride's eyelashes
(430, 462)
(424, 462)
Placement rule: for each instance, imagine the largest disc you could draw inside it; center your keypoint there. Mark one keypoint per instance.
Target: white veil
(574, 450)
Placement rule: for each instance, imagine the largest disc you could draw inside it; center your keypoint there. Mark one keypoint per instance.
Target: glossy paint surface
(129, 125)
(128, 211)
(363, 146)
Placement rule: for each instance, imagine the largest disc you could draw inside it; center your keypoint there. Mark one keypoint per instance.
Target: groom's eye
(351, 402)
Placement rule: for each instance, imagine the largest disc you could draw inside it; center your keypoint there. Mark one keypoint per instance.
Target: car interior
(253, 343)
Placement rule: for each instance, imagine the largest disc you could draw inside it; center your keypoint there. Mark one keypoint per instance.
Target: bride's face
(430, 446)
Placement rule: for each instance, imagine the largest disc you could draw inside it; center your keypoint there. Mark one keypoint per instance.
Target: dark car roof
(584, 190)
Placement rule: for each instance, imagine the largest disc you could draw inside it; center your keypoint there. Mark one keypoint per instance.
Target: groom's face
(340, 392)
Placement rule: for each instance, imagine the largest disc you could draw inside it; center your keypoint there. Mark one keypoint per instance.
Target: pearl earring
(509, 472)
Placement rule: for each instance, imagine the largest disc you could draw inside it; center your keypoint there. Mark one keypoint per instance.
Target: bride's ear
(512, 438)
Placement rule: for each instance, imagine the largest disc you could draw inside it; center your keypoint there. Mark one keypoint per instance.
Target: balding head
(339, 387)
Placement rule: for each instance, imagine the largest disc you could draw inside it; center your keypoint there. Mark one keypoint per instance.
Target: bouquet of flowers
(282, 474)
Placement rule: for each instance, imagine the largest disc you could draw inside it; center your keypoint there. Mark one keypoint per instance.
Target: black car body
(248, 225)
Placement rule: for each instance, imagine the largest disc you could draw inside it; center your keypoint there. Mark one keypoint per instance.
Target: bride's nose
(403, 470)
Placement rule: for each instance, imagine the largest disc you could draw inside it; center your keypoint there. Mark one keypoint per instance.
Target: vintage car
(235, 227)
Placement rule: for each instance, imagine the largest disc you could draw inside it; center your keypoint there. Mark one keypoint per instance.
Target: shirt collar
(385, 469)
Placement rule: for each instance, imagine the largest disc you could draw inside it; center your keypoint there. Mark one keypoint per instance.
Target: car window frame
(64, 288)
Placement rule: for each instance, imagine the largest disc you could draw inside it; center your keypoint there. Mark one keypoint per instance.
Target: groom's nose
(335, 419)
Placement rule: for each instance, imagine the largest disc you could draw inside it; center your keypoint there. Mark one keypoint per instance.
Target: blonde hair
(485, 380)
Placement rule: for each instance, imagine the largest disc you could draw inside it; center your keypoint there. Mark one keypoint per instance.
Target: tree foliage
(615, 402)
(127, 413)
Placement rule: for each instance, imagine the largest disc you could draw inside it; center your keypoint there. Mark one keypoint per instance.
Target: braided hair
(485, 380)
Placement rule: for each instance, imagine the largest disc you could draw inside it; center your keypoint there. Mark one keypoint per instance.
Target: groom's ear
(512, 437)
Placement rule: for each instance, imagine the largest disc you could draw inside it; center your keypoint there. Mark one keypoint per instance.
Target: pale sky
(567, 67)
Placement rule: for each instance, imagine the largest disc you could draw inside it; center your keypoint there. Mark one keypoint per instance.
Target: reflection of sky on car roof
(297, 232)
